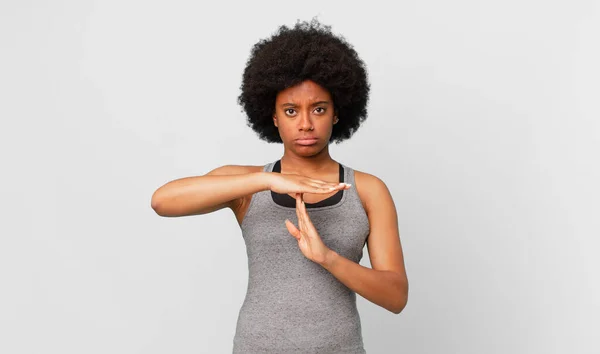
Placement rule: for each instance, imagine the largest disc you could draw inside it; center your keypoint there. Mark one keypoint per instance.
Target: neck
(307, 164)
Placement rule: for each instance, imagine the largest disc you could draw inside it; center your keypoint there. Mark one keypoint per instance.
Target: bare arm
(220, 188)
(386, 283)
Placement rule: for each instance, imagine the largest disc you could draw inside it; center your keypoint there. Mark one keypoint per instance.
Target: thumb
(292, 229)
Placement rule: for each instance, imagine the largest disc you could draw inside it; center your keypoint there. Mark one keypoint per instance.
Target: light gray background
(483, 122)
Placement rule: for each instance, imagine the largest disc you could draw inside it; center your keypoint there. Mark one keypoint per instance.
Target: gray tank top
(292, 304)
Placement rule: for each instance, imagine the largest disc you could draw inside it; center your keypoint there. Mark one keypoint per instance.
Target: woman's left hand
(308, 238)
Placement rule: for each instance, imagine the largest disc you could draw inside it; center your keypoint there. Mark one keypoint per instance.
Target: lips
(307, 140)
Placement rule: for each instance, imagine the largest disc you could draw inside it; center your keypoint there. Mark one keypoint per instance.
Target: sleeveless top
(292, 304)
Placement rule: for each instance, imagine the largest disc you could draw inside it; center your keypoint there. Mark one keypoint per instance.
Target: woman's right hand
(293, 183)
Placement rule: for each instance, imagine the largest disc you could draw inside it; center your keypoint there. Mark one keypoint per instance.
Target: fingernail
(348, 184)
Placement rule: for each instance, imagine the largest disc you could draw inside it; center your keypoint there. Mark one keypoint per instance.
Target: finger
(315, 184)
(323, 190)
(317, 181)
(292, 229)
(304, 221)
(299, 211)
(329, 188)
(298, 204)
(321, 183)
(307, 224)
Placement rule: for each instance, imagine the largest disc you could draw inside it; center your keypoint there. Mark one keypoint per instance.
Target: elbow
(401, 300)
(398, 308)
(155, 204)
(399, 305)
(156, 209)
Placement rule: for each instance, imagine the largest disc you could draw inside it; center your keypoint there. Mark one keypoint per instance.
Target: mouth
(306, 141)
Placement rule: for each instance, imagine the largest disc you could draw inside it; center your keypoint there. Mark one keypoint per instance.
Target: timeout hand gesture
(294, 183)
(310, 242)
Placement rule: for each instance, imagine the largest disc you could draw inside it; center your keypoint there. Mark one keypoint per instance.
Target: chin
(308, 151)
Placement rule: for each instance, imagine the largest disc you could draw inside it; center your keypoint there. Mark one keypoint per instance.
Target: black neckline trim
(287, 201)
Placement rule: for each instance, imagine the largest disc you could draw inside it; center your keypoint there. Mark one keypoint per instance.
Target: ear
(275, 120)
(336, 111)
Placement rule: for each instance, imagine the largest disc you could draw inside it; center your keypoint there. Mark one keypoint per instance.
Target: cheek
(326, 124)
(283, 128)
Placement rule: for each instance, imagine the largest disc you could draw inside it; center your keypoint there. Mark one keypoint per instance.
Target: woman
(305, 218)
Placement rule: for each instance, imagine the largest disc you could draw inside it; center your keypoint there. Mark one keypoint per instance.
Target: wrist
(330, 259)
(264, 179)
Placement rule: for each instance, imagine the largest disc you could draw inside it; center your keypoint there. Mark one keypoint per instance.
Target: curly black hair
(309, 51)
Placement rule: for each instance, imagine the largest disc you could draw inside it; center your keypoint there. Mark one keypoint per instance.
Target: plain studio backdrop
(483, 122)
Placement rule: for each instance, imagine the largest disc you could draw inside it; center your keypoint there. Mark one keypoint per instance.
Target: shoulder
(367, 178)
(370, 189)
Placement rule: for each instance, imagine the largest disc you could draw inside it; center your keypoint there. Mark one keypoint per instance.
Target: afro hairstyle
(308, 51)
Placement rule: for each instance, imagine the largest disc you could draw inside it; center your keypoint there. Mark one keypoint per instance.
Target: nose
(305, 122)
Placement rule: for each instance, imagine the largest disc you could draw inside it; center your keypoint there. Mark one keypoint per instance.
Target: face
(304, 115)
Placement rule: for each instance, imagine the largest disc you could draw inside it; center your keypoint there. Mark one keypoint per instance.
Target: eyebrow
(314, 104)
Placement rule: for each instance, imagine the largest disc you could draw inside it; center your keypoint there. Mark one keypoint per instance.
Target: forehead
(304, 91)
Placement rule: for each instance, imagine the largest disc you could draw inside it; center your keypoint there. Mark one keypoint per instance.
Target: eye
(289, 109)
(321, 108)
